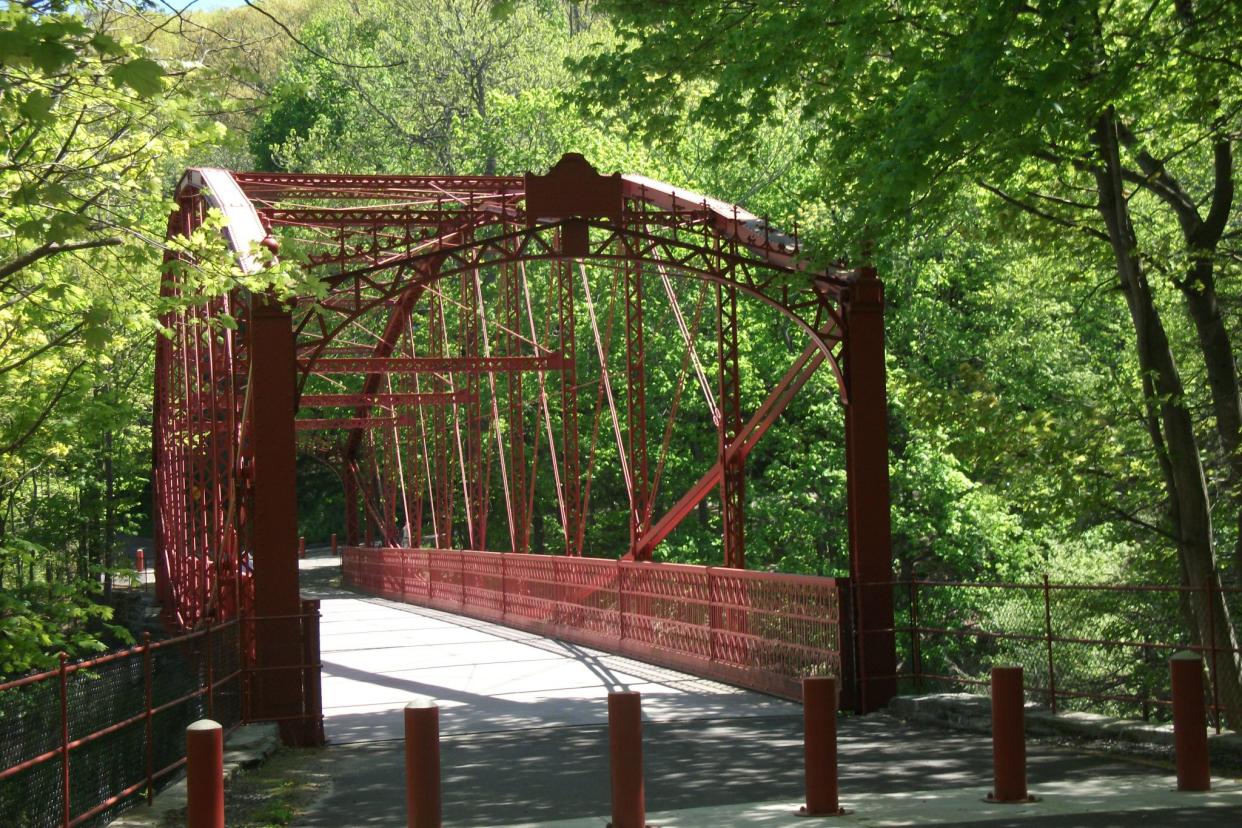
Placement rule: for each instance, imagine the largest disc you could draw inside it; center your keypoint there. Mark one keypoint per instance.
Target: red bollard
(334, 552)
(204, 763)
(422, 763)
(625, 758)
(1190, 723)
(1008, 737)
(819, 717)
(301, 547)
(140, 564)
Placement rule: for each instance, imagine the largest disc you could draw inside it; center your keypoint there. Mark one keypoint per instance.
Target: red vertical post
(819, 717)
(301, 547)
(867, 485)
(277, 688)
(732, 464)
(149, 716)
(1190, 723)
(64, 740)
(625, 753)
(636, 400)
(513, 294)
(1052, 673)
(140, 563)
(1008, 736)
(204, 770)
(570, 476)
(334, 550)
(422, 764)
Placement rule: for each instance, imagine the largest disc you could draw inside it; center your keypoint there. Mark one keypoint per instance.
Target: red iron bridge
(485, 364)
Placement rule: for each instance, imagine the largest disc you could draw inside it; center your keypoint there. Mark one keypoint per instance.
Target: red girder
(354, 400)
(435, 365)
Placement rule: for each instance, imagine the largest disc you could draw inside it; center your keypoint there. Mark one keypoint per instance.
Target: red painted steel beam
(383, 351)
(354, 400)
(277, 687)
(511, 289)
(775, 403)
(436, 364)
(733, 471)
(867, 487)
(636, 401)
(571, 481)
(349, 423)
(367, 218)
(331, 185)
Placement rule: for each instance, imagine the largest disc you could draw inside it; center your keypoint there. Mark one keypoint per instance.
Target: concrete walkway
(525, 741)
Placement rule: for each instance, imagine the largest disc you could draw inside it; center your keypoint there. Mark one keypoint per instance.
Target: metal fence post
(150, 724)
(1052, 676)
(916, 655)
(211, 676)
(1212, 644)
(64, 737)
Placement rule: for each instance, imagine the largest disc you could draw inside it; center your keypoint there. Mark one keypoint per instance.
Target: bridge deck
(525, 741)
(378, 654)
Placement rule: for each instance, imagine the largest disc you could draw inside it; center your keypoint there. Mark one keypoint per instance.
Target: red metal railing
(83, 741)
(755, 629)
(1082, 646)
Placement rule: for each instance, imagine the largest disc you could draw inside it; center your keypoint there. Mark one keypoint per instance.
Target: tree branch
(51, 249)
(1046, 216)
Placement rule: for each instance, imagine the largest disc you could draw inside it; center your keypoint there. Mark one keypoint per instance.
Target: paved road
(525, 741)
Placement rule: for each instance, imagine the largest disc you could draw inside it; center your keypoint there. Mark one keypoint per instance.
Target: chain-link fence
(81, 743)
(1096, 648)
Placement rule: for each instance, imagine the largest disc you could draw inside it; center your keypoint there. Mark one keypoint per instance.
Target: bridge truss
(482, 353)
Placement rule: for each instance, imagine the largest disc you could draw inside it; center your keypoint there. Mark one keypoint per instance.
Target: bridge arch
(389, 252)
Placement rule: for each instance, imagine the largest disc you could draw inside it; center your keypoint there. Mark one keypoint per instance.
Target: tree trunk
(1222, 376)
(1189, 495)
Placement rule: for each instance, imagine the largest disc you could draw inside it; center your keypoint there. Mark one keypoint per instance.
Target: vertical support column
(866, 462)
(513, 293)
(636, 397)
(570, 474)
(442, 447)
(277, 687)
(732, 464)
(476, 529)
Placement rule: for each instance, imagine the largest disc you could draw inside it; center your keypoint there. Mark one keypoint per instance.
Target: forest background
(1048, 189)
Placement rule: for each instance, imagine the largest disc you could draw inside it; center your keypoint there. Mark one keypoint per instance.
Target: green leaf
(106, 45)
(37, 107)
(142, 75)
